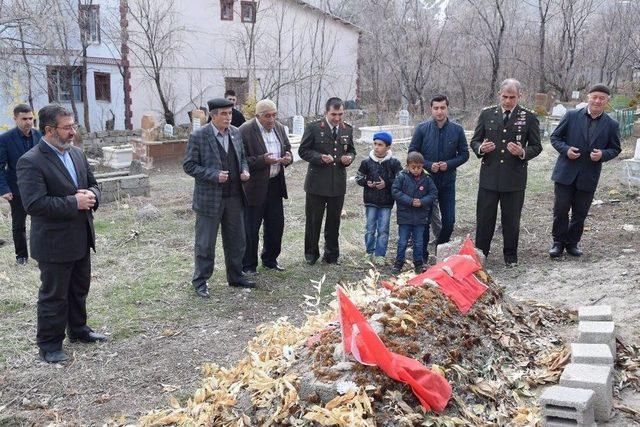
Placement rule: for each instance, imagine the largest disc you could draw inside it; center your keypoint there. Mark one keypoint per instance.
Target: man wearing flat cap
(268, 152)
(215, 158)
(585, 138)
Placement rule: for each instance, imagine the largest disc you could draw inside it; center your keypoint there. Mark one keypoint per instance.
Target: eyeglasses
(68, 128)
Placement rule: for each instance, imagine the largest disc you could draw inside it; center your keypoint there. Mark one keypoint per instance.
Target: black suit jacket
(255, 149)
(59, 231)
(572, 132)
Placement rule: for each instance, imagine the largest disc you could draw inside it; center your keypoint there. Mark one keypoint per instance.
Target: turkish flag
(358, 338)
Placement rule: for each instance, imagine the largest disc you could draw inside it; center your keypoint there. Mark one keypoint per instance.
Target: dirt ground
(161, 333)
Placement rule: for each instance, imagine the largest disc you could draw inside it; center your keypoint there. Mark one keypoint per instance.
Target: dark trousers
(230, 220)
(19, 227)
(568, 197)
(416, 232)
(272, 213)
(486, 212)
(62, 301)
(314, 210)
(447, 212)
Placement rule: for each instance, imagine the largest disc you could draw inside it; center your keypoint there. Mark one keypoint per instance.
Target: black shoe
(249, 272)
(243, 283)
(510, 261)
(91, 337)
(418, 267)
(574, 250)
(331, 261)
(53, 356)
(556, 250)
(310, 259)
(397, 267)
(21, 260)
(202, 291)
(276, 267)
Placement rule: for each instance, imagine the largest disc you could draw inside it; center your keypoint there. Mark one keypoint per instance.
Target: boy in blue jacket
(376, 174)
(414, 192)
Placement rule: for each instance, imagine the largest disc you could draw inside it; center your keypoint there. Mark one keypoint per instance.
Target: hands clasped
(85, 199)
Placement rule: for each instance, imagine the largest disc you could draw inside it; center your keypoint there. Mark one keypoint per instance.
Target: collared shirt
(273, 147)
(221, 137)
(27, 140)
(592, 122)
(65, 158)
(336, 128)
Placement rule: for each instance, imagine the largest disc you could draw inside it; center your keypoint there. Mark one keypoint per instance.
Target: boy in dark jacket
(415, 192)
(376, 174)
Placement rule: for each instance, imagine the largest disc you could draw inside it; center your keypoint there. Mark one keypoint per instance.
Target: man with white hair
(268, 152)
(506, 137)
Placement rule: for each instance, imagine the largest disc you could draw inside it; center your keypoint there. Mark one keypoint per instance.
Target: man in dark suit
(13, 144)
(506, 138)
(585, 138)
(215, 158)
(237, 118)
(327, 145)
(60, 193)
(268, 151)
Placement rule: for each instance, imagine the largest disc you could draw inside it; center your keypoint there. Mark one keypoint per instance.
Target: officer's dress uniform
(325, 185)
(503, 176)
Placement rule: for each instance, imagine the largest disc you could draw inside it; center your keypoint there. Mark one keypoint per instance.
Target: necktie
(335, 133)
(506, 117)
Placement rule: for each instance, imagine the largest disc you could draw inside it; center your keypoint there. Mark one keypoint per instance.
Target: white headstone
(558, 111)
(575, 94)
(404, 118)
(637, 155)
(298, 125)
(168, 130)
(581, 105)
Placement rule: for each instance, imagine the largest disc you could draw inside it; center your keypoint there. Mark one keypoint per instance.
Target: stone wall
(93, 142)
(118, 185)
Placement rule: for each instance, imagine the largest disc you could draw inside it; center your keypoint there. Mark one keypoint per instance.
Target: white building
(299, 54)
(54, 57)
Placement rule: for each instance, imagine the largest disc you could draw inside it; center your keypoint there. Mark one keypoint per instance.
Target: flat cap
(599, 87)
(219, 103)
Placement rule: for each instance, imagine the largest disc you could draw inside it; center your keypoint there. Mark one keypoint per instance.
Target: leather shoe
(310, 260)
(243, 283)
(574, 250)
(202, 291)
(89, 338)
(556, 250)
(276, 267)
(56, 356)
(249, 272)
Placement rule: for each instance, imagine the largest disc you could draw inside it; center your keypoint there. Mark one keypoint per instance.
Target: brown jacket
(255, 151)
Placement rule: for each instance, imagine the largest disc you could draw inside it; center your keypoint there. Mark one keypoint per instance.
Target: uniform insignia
(489, 107)
(421, 188)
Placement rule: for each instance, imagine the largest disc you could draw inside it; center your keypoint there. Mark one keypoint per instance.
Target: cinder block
(591, 354)
(601, 313)
(598, 333)
(598, 378)
(562, 405)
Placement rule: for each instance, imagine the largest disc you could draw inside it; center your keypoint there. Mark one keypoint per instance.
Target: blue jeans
(417, 232)
(447, 202)
(377, 223)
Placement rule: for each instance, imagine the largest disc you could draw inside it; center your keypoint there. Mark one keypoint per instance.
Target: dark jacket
(11, 149)
(374, 169)
(572, 132)
(447, 144)
(326, 179)
(202, 161)
(237, 118)
(500, 170)
(59, 231)
(405, 189)
(255, 150)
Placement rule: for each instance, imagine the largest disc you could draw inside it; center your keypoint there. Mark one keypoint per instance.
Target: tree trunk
(27, 65)
(168, 114)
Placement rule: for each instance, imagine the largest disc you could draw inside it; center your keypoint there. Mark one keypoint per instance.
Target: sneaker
(21, 260)
(397, 267)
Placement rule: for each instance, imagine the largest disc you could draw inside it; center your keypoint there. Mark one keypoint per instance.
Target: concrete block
(563, 404)
(601, 313)
(597, 333)
(129, 182)
(598, 378)
(591, 354)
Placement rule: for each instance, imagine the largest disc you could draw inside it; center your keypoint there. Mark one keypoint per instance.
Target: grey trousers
(230, 220)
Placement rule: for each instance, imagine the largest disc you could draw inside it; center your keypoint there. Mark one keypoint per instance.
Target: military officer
(506, 137)
(327, 145)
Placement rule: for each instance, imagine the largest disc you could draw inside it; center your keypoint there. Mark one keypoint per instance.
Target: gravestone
(168, 130)
(575, 94)
(147, 122)
(404, 118)
(559, 111)
(633, 166)
(581, 105)
(298, 125)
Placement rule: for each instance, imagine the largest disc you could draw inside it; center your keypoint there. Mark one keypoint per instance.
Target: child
(376, 174)
(415, 192)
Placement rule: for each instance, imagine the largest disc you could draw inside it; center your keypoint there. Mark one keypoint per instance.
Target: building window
(63, 83)
(90, 22)
(248, 11)
(102, 82)
(226, 10)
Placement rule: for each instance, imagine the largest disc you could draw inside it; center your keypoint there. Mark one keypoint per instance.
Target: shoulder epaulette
(348, 124)
(490, 107)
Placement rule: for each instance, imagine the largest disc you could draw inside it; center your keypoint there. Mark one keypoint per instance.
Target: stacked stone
(585, 393)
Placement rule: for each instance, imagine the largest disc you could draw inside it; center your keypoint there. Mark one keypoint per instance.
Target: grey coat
(202, 161)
